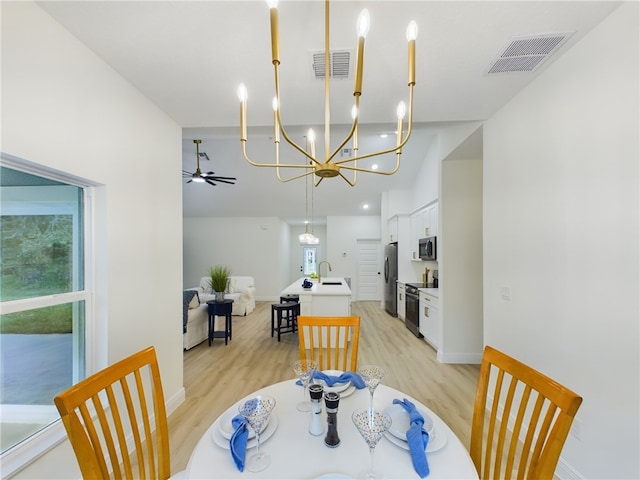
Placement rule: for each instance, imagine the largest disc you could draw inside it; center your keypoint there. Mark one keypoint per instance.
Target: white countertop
(318, 289)
(431, 291)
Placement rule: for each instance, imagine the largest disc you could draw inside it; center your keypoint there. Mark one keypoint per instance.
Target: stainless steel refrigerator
(390, 278)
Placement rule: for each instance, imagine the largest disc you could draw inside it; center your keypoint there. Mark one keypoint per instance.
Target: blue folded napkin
(331, 380)
(417, 438)
(238, 441)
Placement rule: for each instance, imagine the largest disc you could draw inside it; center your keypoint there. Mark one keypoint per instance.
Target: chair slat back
(117, 422)
(521, 419)
(331, 341)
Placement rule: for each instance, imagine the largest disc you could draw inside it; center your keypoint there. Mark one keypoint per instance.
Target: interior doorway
(309, 260)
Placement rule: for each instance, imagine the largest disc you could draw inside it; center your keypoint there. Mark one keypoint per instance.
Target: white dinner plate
(348, 391)
(226, 427)
(218, 439)
(400, 421)
(336, 387)
(436, 441)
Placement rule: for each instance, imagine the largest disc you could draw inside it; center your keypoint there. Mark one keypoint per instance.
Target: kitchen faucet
(319, 265)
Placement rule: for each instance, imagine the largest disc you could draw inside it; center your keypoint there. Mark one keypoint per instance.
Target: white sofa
(241, 290)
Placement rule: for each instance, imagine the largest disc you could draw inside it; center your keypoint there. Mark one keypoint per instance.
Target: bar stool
(287, 313)
(289, 298)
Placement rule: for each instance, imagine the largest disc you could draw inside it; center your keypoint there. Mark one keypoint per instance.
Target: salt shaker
(331, 400)
(316, 392)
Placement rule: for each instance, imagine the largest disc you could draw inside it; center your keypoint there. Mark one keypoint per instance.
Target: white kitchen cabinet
(429, 223)
(424, 223)
(430, 319)
(401, 307)
(392, 226)
(415, 226)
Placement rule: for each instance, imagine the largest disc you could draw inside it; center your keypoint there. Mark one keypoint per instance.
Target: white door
(369, 270)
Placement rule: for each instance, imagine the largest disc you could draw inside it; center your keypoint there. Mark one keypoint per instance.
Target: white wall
(426, 187)
(561, 230)
(460, 260)
(253, 246)
(64, 108)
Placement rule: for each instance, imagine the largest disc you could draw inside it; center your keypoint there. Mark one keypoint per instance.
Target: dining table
(296, 454)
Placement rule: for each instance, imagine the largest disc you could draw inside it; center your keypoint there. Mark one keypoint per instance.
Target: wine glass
(371, 424)
(256, 412)
(372, 375)
(305, 370)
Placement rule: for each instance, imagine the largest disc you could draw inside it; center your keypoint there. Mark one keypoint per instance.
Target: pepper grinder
(316, 392)
(331, 400)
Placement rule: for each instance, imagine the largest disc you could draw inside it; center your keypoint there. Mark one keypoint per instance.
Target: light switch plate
(505, 293)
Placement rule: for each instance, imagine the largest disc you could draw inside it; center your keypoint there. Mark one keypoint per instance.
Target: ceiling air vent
(527, 53)
(339, 64)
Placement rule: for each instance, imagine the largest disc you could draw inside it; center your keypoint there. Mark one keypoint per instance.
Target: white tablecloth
(296, 454)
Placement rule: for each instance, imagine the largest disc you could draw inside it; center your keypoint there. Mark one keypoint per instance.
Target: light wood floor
(216, 377)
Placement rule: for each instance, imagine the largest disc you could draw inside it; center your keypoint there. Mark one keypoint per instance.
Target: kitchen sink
(331, 283)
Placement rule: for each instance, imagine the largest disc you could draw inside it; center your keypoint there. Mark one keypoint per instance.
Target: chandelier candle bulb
(412, 34)
(242, 95)
(275, 41)
(363, 29)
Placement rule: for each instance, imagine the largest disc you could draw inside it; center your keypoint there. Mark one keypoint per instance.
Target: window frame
(36, 445)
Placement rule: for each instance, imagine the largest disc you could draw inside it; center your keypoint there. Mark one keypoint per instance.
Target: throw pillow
(231, 285)
(195, 302)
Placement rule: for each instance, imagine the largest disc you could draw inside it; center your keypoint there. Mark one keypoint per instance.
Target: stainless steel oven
(412, 304)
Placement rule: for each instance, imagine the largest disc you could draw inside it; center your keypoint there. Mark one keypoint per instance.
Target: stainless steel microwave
(427, 248)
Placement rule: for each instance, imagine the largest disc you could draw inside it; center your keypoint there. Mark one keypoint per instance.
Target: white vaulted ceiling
(188, 57)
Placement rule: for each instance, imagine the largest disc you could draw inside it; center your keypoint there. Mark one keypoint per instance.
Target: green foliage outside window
(36, 260)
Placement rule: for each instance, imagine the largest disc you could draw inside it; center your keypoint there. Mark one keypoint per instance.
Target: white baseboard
(468, 358)
(175, 401)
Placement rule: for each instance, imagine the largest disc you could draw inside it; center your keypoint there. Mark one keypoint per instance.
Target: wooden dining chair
(521, 419)
(331, 341)
(116, 420)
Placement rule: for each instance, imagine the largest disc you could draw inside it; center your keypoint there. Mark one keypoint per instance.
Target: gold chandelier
(328, 166)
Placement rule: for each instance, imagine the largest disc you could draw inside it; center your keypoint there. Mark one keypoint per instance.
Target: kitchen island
(329, 297)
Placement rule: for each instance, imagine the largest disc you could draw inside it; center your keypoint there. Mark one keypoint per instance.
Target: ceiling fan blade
(208, 174)
(217, 179)
(225, 178)
(209, 182)
(189, 181)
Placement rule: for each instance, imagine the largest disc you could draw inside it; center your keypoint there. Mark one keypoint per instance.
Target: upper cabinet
(424, 223)
(393, 229)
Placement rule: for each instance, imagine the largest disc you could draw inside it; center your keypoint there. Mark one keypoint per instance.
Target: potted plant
(218, 281)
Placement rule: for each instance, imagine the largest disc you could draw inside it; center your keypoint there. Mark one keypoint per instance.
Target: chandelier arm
(350, 135)
(281, 165)
(379, 172)
(390, 150)
(352, 183)
(283, 131)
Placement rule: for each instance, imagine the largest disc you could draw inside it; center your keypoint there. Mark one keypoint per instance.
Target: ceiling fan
(208, 177)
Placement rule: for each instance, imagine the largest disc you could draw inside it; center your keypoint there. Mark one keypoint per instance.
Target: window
(44, 320)
(309, 262)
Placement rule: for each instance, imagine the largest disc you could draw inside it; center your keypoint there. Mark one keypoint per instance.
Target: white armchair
(240, 289)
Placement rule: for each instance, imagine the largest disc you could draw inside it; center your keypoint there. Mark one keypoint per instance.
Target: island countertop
(319, 288)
